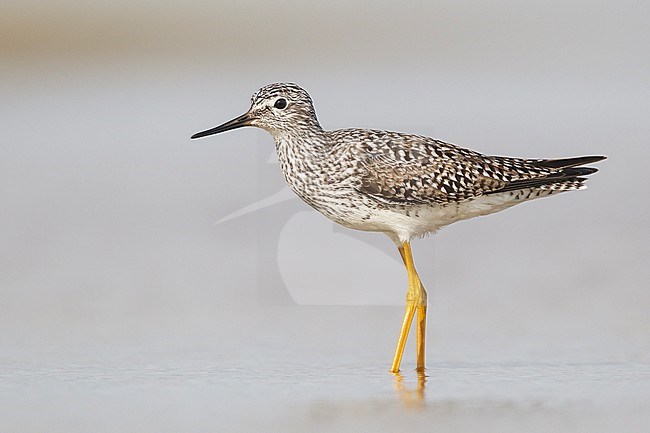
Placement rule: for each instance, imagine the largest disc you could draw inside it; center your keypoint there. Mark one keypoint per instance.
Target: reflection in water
(411, 397)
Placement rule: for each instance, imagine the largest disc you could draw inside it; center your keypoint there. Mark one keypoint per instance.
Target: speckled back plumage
(404, 185)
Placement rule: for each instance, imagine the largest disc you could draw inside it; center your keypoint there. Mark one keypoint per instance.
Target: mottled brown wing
(419, 170)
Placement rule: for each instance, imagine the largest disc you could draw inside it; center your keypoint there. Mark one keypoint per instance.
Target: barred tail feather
(569, 176)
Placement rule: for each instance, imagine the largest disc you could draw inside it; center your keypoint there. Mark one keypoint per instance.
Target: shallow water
(267, 396)
(321, 379)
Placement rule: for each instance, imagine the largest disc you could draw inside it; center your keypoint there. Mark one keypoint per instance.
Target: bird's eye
(280, 104)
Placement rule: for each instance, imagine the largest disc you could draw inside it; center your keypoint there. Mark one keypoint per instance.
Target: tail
(567, 174)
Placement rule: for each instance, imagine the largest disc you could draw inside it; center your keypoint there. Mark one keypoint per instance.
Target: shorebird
(402, 185)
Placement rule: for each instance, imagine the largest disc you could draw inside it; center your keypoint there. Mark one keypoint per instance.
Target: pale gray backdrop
(118, 233)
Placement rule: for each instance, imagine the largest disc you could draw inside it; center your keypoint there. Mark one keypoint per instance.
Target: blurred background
(118, 234)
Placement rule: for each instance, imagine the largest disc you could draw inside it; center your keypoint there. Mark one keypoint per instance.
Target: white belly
(402, 223)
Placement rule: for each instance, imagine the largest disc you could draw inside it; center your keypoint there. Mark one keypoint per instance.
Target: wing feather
(412, 169)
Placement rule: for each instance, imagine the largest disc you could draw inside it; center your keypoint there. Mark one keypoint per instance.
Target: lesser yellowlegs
(403, 185)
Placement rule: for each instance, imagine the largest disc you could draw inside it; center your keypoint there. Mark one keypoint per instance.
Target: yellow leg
(416, 300)
(401, 342)
(420, 337)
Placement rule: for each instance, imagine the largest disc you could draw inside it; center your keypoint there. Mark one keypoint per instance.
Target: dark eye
(280, 104)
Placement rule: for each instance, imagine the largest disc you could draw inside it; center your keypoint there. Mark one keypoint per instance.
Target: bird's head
(279, 108)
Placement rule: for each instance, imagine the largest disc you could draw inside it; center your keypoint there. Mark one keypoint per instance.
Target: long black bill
(238, 122)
